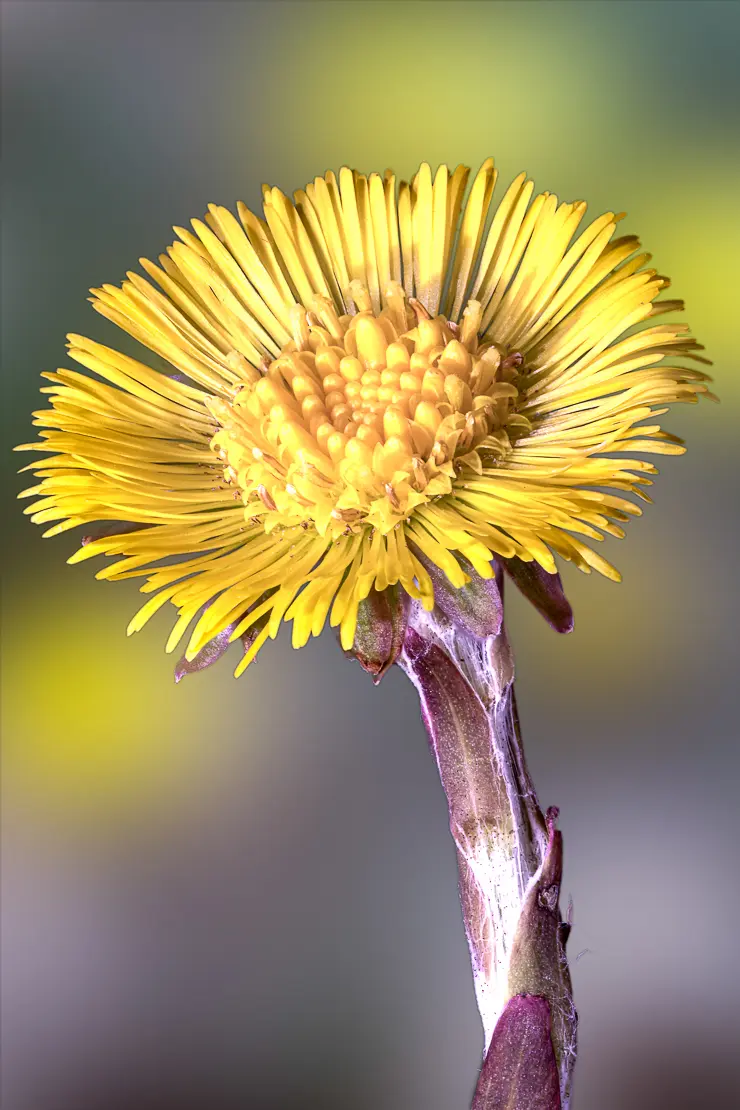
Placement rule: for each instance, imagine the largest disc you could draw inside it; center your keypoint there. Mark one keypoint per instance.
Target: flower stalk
(509, 860)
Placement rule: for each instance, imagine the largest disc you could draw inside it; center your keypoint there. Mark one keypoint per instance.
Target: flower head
(368, 382)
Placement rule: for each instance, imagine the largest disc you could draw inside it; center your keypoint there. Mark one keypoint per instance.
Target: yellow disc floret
(362, 418)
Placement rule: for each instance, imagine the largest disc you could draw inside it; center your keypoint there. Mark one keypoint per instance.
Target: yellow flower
(366, 374)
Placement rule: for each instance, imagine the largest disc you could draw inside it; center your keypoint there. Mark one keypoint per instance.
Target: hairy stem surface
(509, 860)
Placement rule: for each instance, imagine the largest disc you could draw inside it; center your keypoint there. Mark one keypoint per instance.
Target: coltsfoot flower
(360, 390)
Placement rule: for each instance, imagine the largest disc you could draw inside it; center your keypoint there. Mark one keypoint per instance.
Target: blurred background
(243, 893)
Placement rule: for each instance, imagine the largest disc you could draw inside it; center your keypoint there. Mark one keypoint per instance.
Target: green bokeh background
(243, 893)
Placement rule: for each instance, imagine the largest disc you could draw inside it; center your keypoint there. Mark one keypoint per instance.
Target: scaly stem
(509, 860)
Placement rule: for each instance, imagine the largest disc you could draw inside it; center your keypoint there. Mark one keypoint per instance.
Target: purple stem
(509, 861)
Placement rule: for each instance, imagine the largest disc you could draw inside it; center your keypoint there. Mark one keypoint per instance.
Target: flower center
(362, 418)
